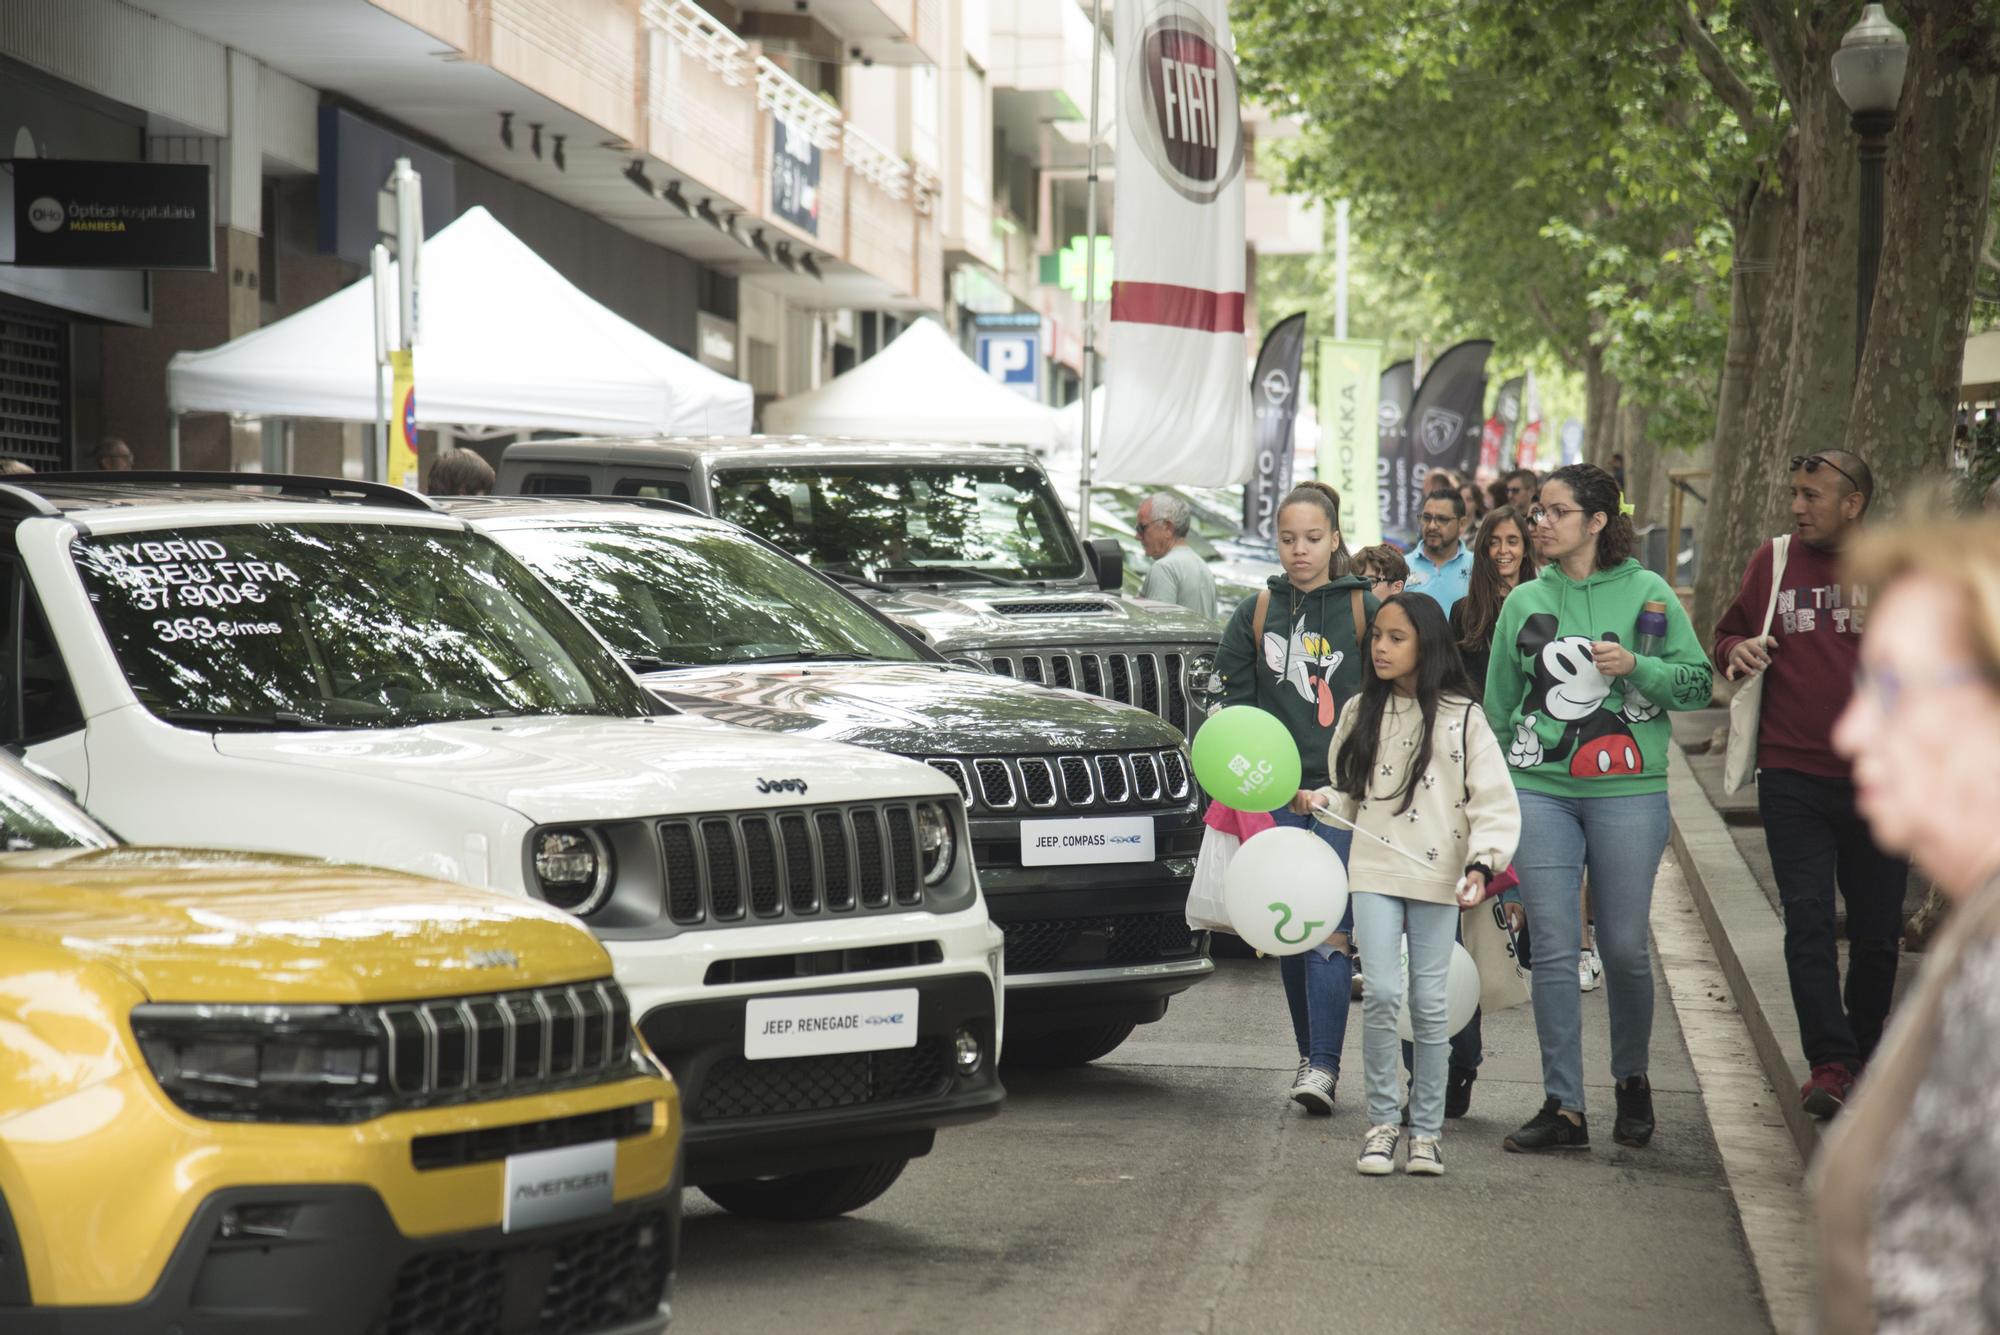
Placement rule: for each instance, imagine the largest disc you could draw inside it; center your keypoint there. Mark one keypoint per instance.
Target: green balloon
(1246, 759)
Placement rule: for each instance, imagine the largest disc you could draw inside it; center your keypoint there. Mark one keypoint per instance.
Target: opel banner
(1274, 395)
(1179, 405)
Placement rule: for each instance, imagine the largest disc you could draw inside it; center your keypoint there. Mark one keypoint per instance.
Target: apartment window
(976, 143)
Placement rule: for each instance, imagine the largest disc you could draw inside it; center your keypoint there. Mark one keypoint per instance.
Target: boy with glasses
(1805, 791)
(1384, 568)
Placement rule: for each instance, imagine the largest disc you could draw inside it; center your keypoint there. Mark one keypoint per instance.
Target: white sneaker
(1425, 1159)
(1378, 1151)
(1589, 971)
(1314, 1091)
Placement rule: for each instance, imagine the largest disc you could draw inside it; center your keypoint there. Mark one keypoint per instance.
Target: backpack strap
(1358, 613)
(1257, 623)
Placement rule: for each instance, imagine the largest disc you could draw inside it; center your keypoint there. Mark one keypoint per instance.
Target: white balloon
(1461, 991)
(1286, 890)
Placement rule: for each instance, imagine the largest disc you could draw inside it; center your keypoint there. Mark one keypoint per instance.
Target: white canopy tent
(920, 387)
(1979, 379)
(506, 342)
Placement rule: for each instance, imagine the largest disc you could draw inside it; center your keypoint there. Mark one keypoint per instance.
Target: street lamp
(1868, 75)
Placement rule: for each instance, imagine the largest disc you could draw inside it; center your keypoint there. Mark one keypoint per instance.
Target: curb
(1749, 941)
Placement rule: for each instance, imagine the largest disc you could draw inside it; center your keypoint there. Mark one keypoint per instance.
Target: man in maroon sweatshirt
(1804, 791)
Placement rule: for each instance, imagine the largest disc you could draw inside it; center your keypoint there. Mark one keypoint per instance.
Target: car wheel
(821, 1194)
(1068, 1047)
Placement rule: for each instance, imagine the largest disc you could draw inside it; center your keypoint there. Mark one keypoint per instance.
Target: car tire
(821, 1194)
(1068, 1047)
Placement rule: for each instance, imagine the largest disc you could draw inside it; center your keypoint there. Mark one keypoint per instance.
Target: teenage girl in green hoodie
(1294, 651)
(1587, 659)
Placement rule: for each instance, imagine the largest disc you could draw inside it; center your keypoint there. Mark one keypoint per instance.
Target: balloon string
(1323, 813)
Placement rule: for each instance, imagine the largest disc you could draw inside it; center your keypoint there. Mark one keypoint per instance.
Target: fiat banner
(1274, 398)
(1179, 402)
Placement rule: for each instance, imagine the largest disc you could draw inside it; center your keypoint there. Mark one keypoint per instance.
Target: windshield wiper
(280, 720)
(970, 572)
(854, 581)
(807, 656)
(648, 663)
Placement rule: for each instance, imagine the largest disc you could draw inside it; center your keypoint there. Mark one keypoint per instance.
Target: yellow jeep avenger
(243, 1093)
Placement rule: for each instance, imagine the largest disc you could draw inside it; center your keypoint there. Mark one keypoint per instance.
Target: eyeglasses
(1888, 688)
(1439, 521)
(1812, 463)
(1552, 514)
(1142, 525)
(1372, 580)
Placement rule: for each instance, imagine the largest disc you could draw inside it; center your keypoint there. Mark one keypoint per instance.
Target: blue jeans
(1381, 921)
(1319, 991)
(1620, 839)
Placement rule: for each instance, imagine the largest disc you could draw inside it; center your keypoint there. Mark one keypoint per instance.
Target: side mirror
(1108, 559)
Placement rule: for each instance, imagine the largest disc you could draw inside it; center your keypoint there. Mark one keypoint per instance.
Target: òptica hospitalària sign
(72, 214)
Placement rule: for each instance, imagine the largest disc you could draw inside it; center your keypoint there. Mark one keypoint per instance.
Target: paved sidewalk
(1720, 844)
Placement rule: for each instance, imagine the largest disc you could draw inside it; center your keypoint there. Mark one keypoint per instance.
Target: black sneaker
(1549, 1130)
(1458, 1091)
(1634, 1125)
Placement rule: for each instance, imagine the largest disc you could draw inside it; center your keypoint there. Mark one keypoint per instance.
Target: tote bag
(1746, 707)
(1504, 982)
(1206, 908)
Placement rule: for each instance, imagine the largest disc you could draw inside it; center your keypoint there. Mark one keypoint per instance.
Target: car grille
(1075, 783)
(758, 867)
(506, 1044)
(455, 1149)
(1036, 945)
(1154, 681)
(589, 1281)
(736, 1087)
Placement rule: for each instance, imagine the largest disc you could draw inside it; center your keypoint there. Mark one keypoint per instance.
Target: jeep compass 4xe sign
(1179, 407)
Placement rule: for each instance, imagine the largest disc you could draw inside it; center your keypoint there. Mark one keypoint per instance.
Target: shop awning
(920, 387)
(506, 342)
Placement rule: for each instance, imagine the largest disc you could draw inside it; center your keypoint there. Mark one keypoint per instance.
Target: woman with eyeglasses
(1908, 1183)
(1586, 660)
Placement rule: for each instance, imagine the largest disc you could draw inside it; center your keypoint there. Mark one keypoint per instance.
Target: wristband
(1481, 868)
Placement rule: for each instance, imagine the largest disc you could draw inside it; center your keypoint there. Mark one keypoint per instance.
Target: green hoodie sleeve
(1235, 656)
(1505, 684)
(1680, 677)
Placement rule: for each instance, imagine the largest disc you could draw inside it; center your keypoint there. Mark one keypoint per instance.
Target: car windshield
(892, 519)
(698, 596)
(287, 626)
(35, 815)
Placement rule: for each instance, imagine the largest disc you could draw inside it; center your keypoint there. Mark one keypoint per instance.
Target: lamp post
(1868, 75)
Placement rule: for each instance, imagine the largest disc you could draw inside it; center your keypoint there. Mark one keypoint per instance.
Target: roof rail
(605, 498)
(21, 501)
(291, 484)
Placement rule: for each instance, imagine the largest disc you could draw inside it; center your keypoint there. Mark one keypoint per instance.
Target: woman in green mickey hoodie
(1587, 660)
(1294, 650)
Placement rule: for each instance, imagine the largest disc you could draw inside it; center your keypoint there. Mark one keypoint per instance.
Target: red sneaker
(1826, 1093)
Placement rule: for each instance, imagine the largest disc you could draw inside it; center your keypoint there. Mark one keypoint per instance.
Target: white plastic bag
(1206, 909)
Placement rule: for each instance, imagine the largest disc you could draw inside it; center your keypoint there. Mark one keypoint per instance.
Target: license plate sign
(812, 1026)
(556, 1186)
(1067, 843)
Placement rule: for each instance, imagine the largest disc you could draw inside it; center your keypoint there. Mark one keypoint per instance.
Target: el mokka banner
(1349, 385)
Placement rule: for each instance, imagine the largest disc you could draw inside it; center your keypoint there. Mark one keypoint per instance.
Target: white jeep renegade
(246, 662)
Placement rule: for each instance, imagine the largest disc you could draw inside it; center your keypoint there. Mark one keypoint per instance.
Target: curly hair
(1598, 493)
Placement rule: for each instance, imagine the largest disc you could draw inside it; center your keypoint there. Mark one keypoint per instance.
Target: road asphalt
(1171, 1187)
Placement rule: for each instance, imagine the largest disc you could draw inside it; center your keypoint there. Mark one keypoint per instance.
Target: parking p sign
(1012, 358)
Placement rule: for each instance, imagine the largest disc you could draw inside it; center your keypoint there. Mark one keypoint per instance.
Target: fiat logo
(1182, 100)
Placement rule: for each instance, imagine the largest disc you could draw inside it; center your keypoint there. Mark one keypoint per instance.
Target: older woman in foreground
(1909, 1182)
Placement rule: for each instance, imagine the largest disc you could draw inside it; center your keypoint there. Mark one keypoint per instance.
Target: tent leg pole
(1090, 267)
(174, 441)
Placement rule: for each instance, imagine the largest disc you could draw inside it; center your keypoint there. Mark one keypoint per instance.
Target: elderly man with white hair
(1177, 575)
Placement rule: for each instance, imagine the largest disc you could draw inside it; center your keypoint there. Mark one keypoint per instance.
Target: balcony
(889, 32)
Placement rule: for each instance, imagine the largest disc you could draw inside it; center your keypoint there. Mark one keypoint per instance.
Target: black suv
(1084, 815)
(966, 545)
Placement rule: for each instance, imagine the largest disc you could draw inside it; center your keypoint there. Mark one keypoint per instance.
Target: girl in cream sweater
(1415, 767)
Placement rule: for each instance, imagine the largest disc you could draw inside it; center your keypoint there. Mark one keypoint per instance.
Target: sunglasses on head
(1812, 463)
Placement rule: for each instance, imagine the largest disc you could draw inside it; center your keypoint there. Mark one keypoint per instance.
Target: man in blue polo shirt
(1442, 564)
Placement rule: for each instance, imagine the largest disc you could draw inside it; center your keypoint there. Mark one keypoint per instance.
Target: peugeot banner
(1178, 408)
(1394, 459)
(1348, 382)
(1444, 416)
(1274, 399)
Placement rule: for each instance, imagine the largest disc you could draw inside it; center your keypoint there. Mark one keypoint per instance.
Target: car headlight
(935, 841)
(1204, 682)
(267, 1063)
(572, 868)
